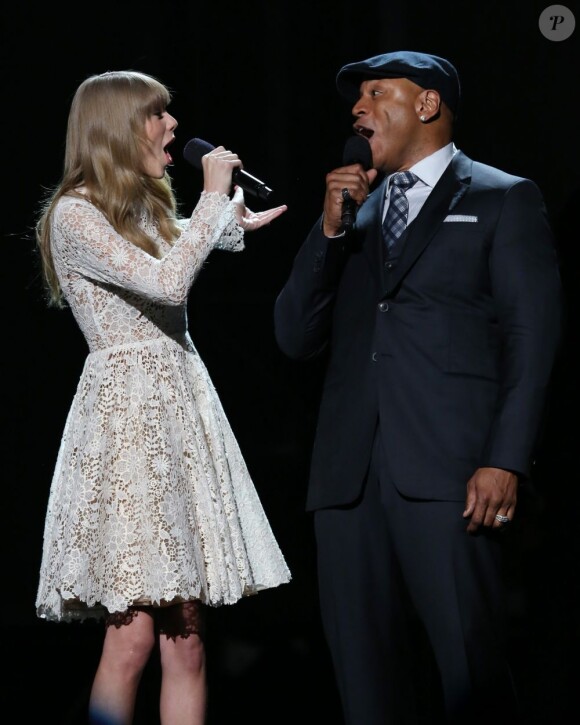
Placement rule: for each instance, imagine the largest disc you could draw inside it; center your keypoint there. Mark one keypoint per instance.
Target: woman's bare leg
(126, 650)
(183, 680)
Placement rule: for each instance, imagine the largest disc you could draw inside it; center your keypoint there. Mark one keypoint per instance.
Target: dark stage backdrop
(258, 77)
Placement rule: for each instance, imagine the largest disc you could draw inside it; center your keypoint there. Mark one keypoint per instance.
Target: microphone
(357, 150)
(197, 147)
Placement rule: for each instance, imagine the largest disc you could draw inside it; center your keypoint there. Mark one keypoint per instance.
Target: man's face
(387, 115)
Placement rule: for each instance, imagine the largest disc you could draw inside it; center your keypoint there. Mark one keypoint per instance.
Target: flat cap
(427, 71)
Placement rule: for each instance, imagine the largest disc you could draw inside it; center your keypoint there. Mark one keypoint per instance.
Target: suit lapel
(369, 217)
(445, 196)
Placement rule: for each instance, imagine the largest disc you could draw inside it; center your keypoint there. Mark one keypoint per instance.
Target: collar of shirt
(429, 170)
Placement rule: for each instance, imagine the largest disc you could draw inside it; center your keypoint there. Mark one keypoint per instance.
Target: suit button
(375, 356)
(389, 266)
(384, 306)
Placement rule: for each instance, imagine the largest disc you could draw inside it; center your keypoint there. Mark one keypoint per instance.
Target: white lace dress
(151, 501)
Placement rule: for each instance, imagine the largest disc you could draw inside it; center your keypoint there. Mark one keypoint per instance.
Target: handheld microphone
(357, 150)
(197, 147)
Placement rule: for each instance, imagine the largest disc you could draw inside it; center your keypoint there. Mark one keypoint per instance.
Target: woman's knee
(130, 639)
(181, 636)
(183, 654)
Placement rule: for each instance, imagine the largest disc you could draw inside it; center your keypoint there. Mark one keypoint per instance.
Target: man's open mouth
(362, 131)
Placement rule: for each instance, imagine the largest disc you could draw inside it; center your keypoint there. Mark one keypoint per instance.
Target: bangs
(143, 93)
(150, 95)
(156, 102)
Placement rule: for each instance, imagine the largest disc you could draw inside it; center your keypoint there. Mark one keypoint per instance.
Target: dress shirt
(429, 170)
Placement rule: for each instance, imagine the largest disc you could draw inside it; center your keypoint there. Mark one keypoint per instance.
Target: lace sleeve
(230, 235)
(85, 243)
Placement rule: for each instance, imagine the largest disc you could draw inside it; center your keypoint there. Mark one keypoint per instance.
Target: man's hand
(490, 492)
(357, 181)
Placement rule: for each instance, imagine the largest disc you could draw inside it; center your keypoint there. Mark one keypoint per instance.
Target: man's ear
(428, 105)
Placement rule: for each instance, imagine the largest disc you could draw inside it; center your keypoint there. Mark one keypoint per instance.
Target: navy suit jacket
(451, 349)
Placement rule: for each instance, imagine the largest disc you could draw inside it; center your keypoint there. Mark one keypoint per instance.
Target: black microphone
(357, 150)
(197, 147)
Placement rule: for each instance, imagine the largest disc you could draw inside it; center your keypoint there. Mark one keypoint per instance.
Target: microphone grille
(195, 149)
(357, 150)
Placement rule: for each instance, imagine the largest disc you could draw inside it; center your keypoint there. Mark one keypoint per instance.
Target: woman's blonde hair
(105, 143)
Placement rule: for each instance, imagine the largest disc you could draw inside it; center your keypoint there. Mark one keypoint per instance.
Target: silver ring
(502, 519)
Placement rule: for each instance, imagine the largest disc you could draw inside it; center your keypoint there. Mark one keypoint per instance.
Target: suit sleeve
(526, 288)
(303, 310)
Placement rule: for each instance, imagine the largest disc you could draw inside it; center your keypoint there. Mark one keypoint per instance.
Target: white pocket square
(460, 218)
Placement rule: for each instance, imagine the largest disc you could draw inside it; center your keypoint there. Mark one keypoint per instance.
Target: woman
(152, 514)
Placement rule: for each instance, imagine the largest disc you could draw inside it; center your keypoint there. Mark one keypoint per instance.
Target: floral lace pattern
(151, 500)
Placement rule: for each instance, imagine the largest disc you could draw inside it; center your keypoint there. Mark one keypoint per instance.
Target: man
(440, 344)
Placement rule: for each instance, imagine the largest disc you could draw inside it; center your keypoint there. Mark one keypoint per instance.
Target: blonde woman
(152, 513)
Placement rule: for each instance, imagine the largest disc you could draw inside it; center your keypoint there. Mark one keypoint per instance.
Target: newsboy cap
(427, 71)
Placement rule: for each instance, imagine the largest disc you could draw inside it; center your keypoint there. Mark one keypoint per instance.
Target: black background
(258, 77)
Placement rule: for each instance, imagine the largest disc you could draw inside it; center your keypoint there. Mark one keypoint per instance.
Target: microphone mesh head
(195, 149)
(357, 150)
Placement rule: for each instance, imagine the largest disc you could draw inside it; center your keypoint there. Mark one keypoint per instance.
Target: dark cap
(427, 71)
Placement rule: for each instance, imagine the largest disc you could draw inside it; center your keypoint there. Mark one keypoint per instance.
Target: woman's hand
(218, 166)
(251, 220)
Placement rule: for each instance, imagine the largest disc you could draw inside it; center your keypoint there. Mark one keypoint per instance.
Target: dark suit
(446, 356)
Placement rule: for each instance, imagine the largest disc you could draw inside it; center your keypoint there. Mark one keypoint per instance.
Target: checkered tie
(396, 216)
